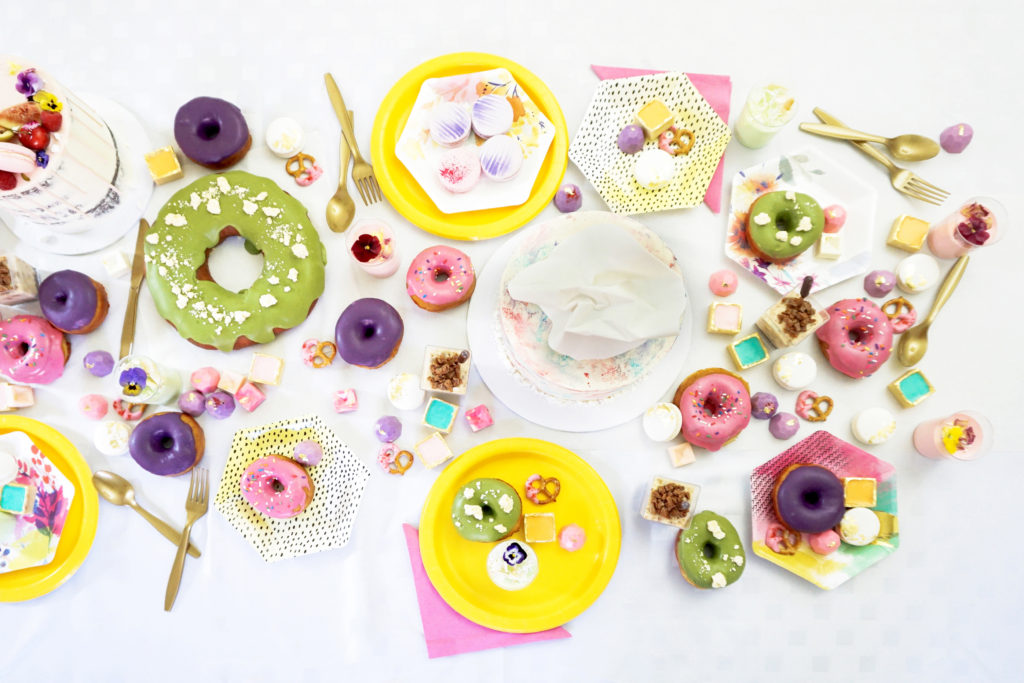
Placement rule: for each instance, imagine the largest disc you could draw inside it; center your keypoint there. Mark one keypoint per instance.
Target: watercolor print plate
(568, 583)
(338, 483)
(404, 192)
(64, 517)
(812, 173)
(420, 154)
(844, 460)
(614, 105)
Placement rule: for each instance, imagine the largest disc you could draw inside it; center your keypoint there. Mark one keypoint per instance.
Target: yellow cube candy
(539, 527)
(860, 492)
(655, 118)
(163, 166)
(907, 233)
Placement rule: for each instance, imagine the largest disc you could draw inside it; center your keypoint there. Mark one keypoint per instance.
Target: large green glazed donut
(774, 224)
(709, 551)
(486, 510)
(198, 218)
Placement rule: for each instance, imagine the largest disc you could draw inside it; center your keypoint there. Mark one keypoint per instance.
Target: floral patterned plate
(812, 173)
(39, 552)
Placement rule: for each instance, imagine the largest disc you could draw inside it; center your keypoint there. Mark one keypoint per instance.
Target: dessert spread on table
(589, 306)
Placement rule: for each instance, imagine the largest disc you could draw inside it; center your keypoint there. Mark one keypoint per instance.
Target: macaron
(404, 391)
(917, 273)
(15, 158)
(458, 170)
(794, 370)
(501, 157)
(93, 406)
(654, 169)
(284, 137)
(308, 452)
(571, 537)
(662, 422)
(98, 363)
(450, 124)
(492, 115)
(859, 526)
(111, 437)
(873, 426)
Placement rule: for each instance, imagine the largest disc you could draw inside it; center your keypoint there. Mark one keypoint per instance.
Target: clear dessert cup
(965, 435)
(978, 222)
(371, 244)
(142, 380)
(767, 110)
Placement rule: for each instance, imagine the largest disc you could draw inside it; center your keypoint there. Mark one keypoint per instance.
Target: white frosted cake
(525, 327)
(76, 164)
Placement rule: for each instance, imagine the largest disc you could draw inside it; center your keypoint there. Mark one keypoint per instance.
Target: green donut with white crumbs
(486, 510)
(201, 216)
(709, 551)
(784, 224)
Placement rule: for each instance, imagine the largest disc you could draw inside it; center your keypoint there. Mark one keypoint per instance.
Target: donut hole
(784, 221)
(162, 441)
(20, 349)
(811, 499)
(858, 334)
(208, 129)
(367, 329)
(276, 485)
(233, 265)
(442, 274)
(61, 297)
(709, 550)
(711, 406)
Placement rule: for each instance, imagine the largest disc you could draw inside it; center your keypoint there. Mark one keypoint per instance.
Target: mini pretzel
(318, 354)
(901, 314)
(309, 176)
(676, 141)
(781, 540)
(540, 490)
(812, 407)
(129, 411)
(401, 463)
(302, 167)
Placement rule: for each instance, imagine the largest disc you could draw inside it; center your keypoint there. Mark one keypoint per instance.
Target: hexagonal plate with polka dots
(338, 483)
(615, 104)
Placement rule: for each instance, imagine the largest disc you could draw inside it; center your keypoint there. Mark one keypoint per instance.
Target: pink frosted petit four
(459, 169)
(681, 454)
(14, 396)
(433, 450)
(501, 157)
(250, 396)
(205, 379)
(450, 124)
(266, 369)
(231, 381)
(345, 401)
(492, 115)
(835, 218)
(93, 406)
(478, 418)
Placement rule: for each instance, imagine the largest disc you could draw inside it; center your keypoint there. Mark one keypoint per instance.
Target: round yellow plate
(568, 583)
(79, 527)
(406, 195)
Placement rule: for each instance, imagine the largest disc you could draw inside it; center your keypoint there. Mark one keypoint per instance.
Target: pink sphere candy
(572, 537)
(206, 379)
(835, 217)
(825, 542)
(93, 406)
(722, 283)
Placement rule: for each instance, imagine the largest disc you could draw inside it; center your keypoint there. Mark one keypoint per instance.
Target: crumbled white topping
(241, 316)
(223, 184)
(474, 511)
(790, 195)
(162, 270)
(175, 219)
(762, 219)
(213, 206)
(249, 207)
(152, 238)
(194, 200)
(505, 503)
(268, 300)
(273, 279)
(782, 236)
(287, 289)
(271, 211)
(804, 225)
(737, 560)
(716, 529)
(795, 240)
(261, 196)
(500, 528)
(300, 250)
(293, 275)
(718, 580)
(182, 301)
(468, 492)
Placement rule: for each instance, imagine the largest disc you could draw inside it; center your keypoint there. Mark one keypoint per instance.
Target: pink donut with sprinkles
(716, 407)
(32, 351)
(277, 486)
(439, 278)
(857, 338)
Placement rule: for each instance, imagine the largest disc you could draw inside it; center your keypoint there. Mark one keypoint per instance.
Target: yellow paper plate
(406, 195)
(568, 583)
(79, 527)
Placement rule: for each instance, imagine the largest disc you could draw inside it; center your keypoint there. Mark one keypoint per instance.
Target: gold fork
(196, 505)
(362, 172)
(902, 180)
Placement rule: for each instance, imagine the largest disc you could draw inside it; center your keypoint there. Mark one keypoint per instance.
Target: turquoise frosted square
(440, 415)
(13, 498)
(915, 387)
(748, 352)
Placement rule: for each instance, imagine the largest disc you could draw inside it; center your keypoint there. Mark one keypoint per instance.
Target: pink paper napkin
(715, 89)
(449, 633)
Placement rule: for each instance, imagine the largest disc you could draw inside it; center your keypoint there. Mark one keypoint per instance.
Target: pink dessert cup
(945, 241)
(928, 437)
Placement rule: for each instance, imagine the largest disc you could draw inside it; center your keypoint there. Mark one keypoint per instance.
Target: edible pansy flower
(514, 554)
(42, 159)
(47, 100)
(133, 381)
(28, 82)
(366, 248)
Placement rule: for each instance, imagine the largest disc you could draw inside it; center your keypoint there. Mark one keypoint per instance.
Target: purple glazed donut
(368, 333)
(212, 132)
(808, 498)
(167, 444)
(73, 302)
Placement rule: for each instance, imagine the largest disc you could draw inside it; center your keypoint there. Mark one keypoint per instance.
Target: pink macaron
(459, 169)
(16, 159)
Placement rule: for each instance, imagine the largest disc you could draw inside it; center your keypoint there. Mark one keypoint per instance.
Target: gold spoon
(340, 207)
(914, 342)
(117, 490)
(903, 147)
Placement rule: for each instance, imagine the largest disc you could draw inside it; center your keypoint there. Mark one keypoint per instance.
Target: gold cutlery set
(341, 208)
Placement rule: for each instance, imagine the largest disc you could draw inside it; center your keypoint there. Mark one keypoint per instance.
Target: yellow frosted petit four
(655, 118)
(860, 492)
(163, 166)
(907, 233)
(539, 527)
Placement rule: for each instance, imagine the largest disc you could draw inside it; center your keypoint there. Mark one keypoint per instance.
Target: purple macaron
(783, 425)
(388, 429)
(98, 363)
(878, 283)
(763, 405)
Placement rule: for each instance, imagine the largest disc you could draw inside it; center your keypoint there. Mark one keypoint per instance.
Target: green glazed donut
(709, 551)
(486, 510)
(784, 224)
(198, 218)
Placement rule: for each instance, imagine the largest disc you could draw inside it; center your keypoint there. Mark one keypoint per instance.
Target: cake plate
(133, 181)
(485, 341)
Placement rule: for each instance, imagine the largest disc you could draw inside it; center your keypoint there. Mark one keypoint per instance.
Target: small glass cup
(143, 380)
(371, 244)
(932, 438)
(945, 239)
(767, 110)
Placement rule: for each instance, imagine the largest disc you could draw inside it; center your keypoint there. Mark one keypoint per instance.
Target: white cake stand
(134, 183)
(488, 347)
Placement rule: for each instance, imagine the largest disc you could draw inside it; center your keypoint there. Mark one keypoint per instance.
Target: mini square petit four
(860, 492)
(748, 352)
(266, 369)
(440, 415)
(539, 527)
(725, 318)
(830, 245)
(670, 502)
(17, 499)
(230, 381)
(17, 281)
(15, 396)
(655, 118)
(433, 451)
(250, 396)
(163, 165)
(345, 401)
(911, 388)
(116, 263)
(445, 370)
(479, 417)
(907, 233)
(792, 318)
(681, 454)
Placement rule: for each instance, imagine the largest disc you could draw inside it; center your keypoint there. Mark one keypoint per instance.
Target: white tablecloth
(945, 606)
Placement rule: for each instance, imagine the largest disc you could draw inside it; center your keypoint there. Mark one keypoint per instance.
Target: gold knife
(138, 272)
(341, 111)
(827, 118)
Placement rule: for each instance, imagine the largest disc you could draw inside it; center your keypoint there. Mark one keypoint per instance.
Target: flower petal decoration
(366, 248)
(132, 381)
(47, 100)
(28, 82)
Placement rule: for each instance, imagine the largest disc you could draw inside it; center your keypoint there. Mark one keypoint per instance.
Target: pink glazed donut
(857, 338)
(716, 407)
(439, 278)
(32, 351)
(277, 486)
